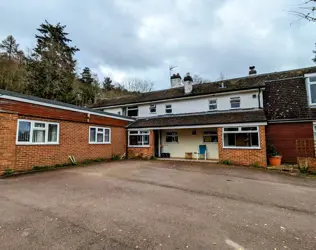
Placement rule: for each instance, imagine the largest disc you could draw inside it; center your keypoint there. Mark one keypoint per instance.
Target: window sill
(251, 148)
(36, 144)
(99, 143)
(138, 146)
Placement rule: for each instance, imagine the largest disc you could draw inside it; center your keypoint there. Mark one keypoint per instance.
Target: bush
(303, 167)
(256, 165)
(8, 172)
(226, 162)
(271, 151)
(116, 158)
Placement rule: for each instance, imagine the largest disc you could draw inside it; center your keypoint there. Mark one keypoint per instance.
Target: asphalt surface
(157, 205)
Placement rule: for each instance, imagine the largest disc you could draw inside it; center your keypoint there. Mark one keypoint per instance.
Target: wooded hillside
(48, 70)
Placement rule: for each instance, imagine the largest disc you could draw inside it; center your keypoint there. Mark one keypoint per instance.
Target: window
(213, 104)
(152, 108)
(311, 89)
(241, 137)
(194, 132)
(132, 111)
(168, 109)
(139, 138)
(99, 135)
(172, 137)
(235, 102)
(37, 132)
(210, 136)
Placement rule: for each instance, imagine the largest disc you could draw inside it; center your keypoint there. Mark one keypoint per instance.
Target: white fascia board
(203, 126)
(61, 107)
(310, 75)
(181, 98)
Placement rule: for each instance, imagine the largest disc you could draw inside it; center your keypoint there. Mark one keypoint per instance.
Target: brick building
(234, 119)
(40, 132)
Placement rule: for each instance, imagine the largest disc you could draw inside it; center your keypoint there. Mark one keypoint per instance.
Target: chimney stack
(252, 70)
(176, 81)
(188, 84)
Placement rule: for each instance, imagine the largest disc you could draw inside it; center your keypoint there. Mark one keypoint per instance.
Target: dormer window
(311, 88)
(235, 102)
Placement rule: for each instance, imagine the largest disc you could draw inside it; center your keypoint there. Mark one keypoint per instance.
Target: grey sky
(141, 38)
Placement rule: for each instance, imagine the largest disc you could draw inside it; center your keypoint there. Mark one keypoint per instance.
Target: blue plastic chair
(202, 151)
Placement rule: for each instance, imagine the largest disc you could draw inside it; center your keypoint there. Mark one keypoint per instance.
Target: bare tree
(138, 85)
(306, 10)
(198, 79)
(222, 76)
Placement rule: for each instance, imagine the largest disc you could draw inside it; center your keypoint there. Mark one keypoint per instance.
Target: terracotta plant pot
(275, 160)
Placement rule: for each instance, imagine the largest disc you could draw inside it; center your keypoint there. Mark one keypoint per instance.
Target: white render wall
(188, 143)
(198, 104)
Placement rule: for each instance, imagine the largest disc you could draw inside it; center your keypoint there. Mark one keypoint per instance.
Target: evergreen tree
(52, 64)
(10, 48)
(107, 84)
(86, 76)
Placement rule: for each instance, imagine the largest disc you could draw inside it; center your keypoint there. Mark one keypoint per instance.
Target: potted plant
(273, 156)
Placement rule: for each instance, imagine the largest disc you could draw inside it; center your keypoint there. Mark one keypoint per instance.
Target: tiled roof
(60, 104)
(241, 83)
(209, 118)
(287, 100)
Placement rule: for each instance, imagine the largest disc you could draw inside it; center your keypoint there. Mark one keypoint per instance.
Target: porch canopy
(199, 120)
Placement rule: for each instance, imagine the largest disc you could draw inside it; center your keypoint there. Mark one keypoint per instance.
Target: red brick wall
(7, 140)
(244, 156)
(143, 152)
(73, 140)
(283, 137)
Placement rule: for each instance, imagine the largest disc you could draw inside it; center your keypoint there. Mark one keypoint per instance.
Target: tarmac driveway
(157, 205)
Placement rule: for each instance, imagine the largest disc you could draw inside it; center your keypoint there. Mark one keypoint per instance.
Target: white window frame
(235, 98)
(212, 104)
(168, 108)
(34, 128)
(239, 131)
(132, 108)
(152, 106)
(308, 84)
(96, 135)
(173, 136)
(139, 133)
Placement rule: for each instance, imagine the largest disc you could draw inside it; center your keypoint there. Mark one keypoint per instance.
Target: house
(235, 119)
(40, 132)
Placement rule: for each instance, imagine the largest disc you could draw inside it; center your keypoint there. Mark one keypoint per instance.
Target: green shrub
(256, 165)
(116, 158)
(8, 172)
(87, 161)
(153, 158)
(226, 162)
(99, 160)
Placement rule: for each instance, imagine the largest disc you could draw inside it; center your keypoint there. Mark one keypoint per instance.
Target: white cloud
(141, 38)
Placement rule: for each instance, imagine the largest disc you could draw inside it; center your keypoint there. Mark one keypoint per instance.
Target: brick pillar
(8, 125)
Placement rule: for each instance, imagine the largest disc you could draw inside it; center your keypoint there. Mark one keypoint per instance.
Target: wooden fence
(305, 147)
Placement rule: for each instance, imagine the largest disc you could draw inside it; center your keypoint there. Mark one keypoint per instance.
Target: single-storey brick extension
(40, 132)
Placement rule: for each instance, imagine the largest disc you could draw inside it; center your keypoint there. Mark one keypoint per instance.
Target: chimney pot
(252, 70)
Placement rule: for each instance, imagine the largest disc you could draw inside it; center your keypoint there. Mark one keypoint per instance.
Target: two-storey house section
(221, 120)
(231, 120)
